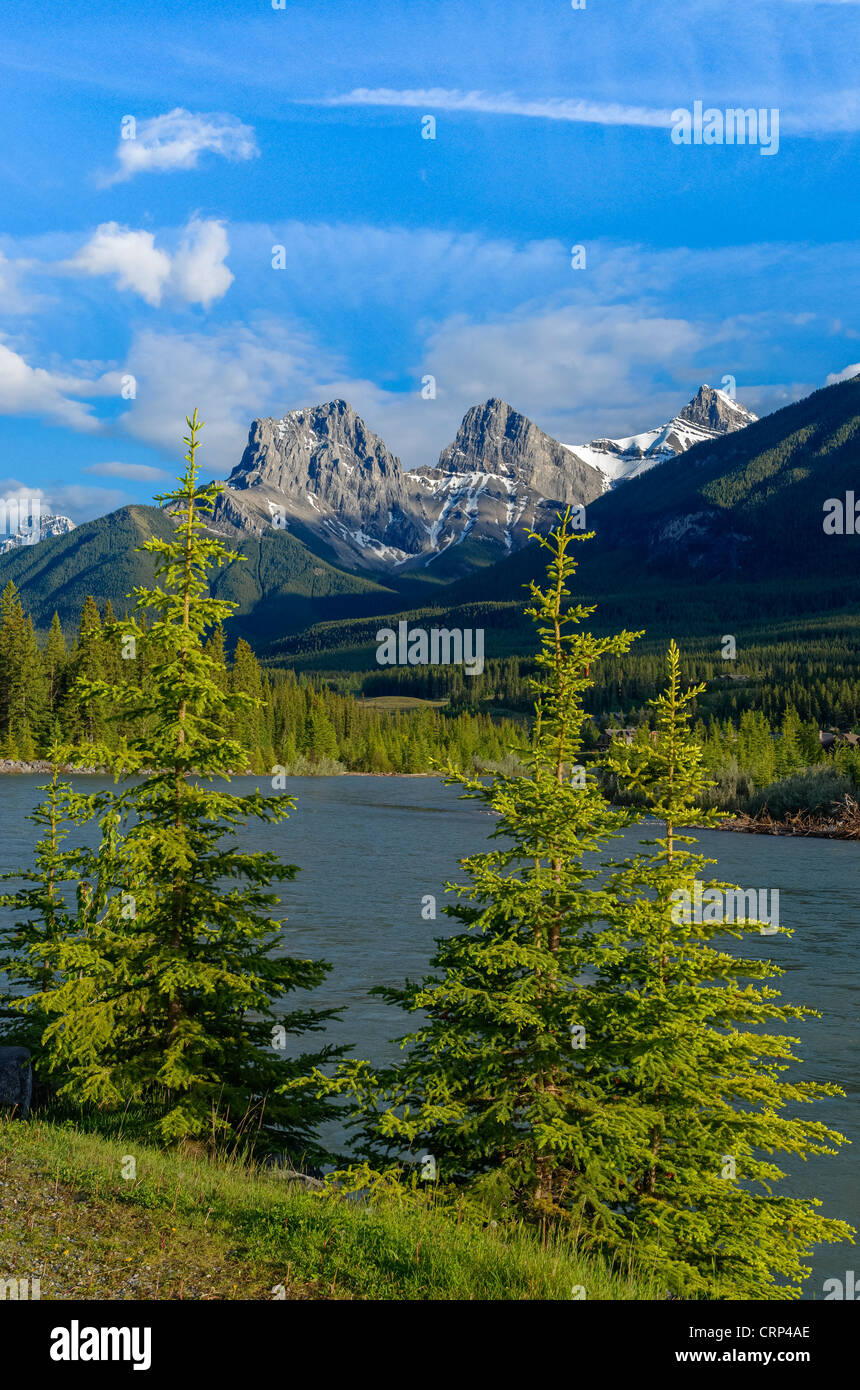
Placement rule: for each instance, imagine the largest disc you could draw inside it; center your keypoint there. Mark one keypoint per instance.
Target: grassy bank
(195, 1229)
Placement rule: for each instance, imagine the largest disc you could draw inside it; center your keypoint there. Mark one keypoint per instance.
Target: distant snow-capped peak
(46, 527)
(710, 414)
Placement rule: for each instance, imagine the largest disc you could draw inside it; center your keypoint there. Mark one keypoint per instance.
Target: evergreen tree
(493, 1082)
(89, 721)
(320, 737)
(56, 657)
(681, 1019)
(39, 912)
(23, 689)
(167, 994)
(215, 648)
(246, 677)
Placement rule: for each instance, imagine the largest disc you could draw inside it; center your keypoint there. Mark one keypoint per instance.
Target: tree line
(299, 724)
(757, 730)
(818, 678)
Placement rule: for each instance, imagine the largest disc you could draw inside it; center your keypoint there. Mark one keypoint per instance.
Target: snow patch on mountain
(49, 526)
(710, 414)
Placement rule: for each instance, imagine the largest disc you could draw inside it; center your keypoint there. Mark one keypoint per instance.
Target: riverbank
(12, 767)
(187, 1228)
(840, 822)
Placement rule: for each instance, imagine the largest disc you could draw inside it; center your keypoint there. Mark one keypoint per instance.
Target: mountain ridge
(742, 508)
(322, 473)
(710, 414)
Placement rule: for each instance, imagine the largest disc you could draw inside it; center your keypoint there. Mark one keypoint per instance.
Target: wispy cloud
(176, 140)
(845, 375)
(135, 472)
(12, 297)
(828, 113)
(74, 500)
(505, 104)
(232, 373)
(49, 395)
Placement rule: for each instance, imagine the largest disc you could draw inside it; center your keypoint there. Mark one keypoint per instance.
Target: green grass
(387, 703)
(188, 1227)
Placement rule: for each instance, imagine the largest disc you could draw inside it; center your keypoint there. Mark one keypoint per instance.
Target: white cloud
(767, 397)
(65, 499)
(845, 375)
(505, 104)
(829, 112)
(131, 256)
(12, 297)
(177, 140)
(135, 472)
(26, 390)
(196, 273)
(231, 374)
(568, 368)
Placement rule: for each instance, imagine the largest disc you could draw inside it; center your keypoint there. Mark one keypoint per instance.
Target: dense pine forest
(300, 725)
(759, 719)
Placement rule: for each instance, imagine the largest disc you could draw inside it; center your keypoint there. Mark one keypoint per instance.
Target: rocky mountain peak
(49, 525)
(315, 448)
(320, 473)
(496, 439)
(715, 410)
(708, 415)
(321, 469)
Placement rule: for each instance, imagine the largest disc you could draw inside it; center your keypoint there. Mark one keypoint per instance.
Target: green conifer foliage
(23, 687)
(493, 1083)
(169, 993)
(681, 1019)
(39, 912)
(56, 657)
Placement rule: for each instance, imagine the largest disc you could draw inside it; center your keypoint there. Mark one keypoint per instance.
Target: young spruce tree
(493, 1084)
(682, 1020)
(168, 996)
(40, 910)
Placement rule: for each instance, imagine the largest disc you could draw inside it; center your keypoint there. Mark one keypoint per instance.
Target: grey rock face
(495, 439)
(324, 468)
(713, 410)
(321, 471)
(501, 478)
(16, 1079)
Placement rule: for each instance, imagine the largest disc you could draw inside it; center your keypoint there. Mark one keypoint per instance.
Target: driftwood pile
(840, 822)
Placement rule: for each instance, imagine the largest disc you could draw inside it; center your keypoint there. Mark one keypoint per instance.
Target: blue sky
(151, 259)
